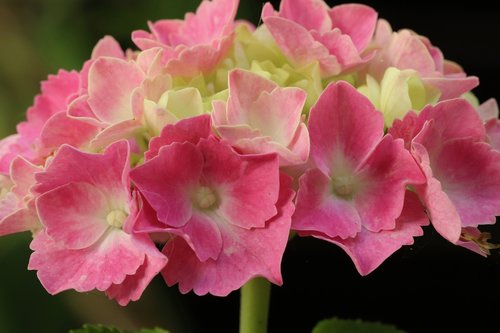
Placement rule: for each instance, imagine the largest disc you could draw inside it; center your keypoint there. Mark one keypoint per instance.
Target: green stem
(254, 307)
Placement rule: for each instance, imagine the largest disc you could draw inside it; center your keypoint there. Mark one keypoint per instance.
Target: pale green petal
(185, 103)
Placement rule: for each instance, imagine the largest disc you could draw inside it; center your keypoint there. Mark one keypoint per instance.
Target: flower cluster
(216, 140)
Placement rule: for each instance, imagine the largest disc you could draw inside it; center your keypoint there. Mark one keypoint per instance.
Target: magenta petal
(203, 235)
(107, 262)
(134, 285)
(185, 130)
(442, 212)
(370, 249)
(318, 210)
(451, 119)
(343, 123)
(246, 254)
(166, 180)
(469, 173)
(248, 185)
(385, 174)
(356, 20)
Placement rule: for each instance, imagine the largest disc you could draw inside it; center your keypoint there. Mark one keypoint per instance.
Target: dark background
(432, 286)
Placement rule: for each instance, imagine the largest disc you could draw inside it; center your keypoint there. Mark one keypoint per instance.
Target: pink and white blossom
(84, 204)
(260, 117)
(308, 30)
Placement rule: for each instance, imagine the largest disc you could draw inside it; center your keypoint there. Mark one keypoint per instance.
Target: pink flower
(357, 189)
(462, 171)
(195, 45)
(307, 31)
(488, 111)
(48, 124)
(260, 117)
(85, 206)
(229, 212)
(368, 249)
(405, 49)
(17, 205)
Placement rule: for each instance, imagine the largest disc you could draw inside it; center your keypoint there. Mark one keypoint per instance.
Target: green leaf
(336, 325)
(96, 329)
(106, 329)
(154, 330)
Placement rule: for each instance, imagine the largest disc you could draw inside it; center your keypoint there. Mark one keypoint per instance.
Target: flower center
(343, 187)
(205, 198)
(116, 217)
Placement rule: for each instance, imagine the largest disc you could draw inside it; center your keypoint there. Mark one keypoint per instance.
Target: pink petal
(407, 51)
(127, 129)
(355, 20)
(107, 262)
(368, 250)
(57, 93)
(198, 59)
(8, 205)
(442, 212)
(343, 123)
(22, 173)
(186, 130)
(133, 286)
(107, 47)
(318, 210)
(340, 45)
(493, 131)
(451, 87)
(203, 236)
(7, 145)
(74, 214)
(311, 14)
(108, 170)
(212, 19)
(246, 254)
(469, 173)
(166, 180)
(277, 114)
(248, 185)
(299, 46)
(21, 220)
(386, 173)
(488, 110)
(61, 129)
(446, 124)
(245, 88)
(81, 110)
(111, 83)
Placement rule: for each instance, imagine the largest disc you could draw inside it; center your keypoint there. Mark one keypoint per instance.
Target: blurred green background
(37, 37)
